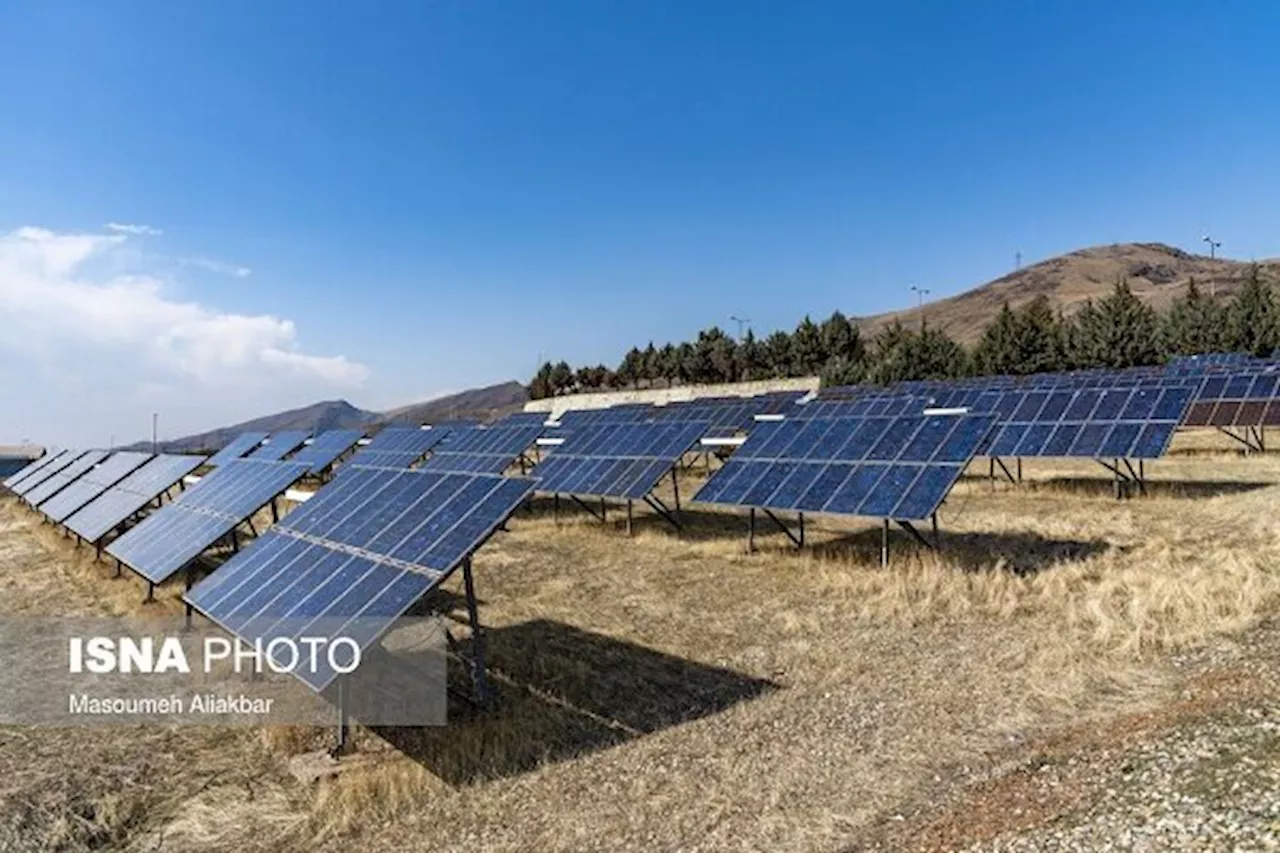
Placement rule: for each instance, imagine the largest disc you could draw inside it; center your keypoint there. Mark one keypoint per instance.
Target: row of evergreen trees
(1118, 331)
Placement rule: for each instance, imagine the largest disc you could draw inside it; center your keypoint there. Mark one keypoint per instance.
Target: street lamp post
(155, 431)
(920, 294)
(1213, 246)
(741, 321)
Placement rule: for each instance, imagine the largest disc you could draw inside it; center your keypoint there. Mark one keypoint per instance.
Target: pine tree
(890, 361)
(1193, 324)
(750, 358)
(540, 386)
(1037, 338)
(996, 353)
(669, 364)
(807, 352)
(1121, 331)
(650, 368)
(630, 369)
(561, 378)
(687, 359)
(1252, 319)
(777, 354)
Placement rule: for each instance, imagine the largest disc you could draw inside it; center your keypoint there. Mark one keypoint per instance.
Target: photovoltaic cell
(357, 556)
(892, 467)
(120, 502)
(238, 447)
(176, 534)
(92, 484)
(279, 445)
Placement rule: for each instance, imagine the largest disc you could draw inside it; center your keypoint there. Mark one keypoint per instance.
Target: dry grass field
(672, 692)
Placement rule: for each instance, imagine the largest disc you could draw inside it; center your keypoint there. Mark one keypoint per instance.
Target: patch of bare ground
(672, 692)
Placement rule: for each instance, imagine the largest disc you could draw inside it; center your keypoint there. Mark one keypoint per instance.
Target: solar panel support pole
(884, 543)
(555, 507)
(751, 530)
(675, 488)
(603, 512)
(479, 677)
(275, 512)
(119, 568)
(151, 593)
(344, 728)
(629, 515)
(1019, 469)
(800, 544)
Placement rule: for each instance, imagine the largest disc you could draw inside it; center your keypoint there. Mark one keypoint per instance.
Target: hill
(1156, 273)
(485, 404)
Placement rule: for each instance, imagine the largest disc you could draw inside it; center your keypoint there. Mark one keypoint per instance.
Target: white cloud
(216, 266)
(134, 230)
(69, 311)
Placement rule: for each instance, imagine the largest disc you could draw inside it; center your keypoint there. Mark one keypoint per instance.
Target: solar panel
(28, 483)
(356, 557)
(482, 450)
(885, 467)
(325, 449)
(279, 445)
(622, 460)
(59, 481)
(176, 534)
(628, 413)
(238, 447)
(94, 482)
(523, 419)
(1095, 423)
(728, 415)
(1249, 398)
(398, 447)
(32, 467)
(118, 503)
(878, 405)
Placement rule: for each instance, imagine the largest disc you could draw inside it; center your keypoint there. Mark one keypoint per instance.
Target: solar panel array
(398, 447)
(93, 483)
(238, 447)
(117, 504)
(279, 444)
(176, 534)
(63, 478)
(523, 419)
(482, 450)
(27, 484)
(31, 467)
(883, 405)
(326, 448)
(356, 557)
(621, 460)
(883, 467)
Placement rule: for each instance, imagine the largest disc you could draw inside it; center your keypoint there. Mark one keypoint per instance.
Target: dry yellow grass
(670, 692)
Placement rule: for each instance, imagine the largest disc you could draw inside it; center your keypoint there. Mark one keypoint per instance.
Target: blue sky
(389, 201)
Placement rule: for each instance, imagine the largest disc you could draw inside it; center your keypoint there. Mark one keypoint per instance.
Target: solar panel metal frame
(398, 447)
(95, 481)
(118, 504)
(482, 450)
(240, 595)
(242, 444)
(175, 535)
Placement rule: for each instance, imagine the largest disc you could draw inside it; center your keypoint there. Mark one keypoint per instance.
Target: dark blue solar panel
(238, 447)
(118, 503)
(175, 535)
(284, 586)
(279, 445)
(63, 478)
(93, 483)
(798, 478)
(326, 448)
(31, 468)
(35, 479)
(480, 450)
(398, 447)
(588, 462)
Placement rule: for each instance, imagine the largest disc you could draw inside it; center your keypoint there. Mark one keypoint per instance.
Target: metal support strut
(479, 677)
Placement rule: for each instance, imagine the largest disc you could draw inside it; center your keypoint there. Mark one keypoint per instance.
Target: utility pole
(1017, 261)
(155, 431)
(1213, 246)
(741, 321)
(920, 294)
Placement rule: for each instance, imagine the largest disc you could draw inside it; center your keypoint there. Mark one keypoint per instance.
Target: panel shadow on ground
(563, 692)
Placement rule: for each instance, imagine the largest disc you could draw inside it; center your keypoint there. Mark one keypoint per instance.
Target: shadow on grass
(561, 692)
(1105, 487)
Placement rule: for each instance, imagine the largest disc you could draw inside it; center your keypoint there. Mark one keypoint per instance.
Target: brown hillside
(1157, 273)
